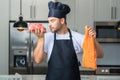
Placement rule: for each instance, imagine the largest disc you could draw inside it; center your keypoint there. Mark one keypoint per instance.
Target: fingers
(91, 31)
(38, 32)
(37, 29)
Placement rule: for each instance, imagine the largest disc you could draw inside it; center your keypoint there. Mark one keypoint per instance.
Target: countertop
(42, 77)
(38, 77)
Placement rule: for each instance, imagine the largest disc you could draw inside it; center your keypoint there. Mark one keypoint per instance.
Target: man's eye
(52, 21)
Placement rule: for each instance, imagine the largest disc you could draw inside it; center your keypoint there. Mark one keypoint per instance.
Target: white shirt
(77, 42)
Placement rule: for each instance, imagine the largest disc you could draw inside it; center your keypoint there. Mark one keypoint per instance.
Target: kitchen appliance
(109, 64)
(107, 32)
(109, 38)
(21, 46)
(108, 70)
(118, 25)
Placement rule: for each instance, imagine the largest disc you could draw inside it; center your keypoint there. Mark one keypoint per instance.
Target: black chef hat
(57, 9)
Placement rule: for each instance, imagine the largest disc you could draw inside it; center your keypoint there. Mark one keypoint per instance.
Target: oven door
(107, 32)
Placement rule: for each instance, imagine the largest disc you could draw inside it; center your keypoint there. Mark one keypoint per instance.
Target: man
(61, 45)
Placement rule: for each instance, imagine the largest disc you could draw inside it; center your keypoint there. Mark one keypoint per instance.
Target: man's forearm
(99, 50)
(39, 51)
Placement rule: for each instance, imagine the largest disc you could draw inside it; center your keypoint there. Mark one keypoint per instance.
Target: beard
(55, 30)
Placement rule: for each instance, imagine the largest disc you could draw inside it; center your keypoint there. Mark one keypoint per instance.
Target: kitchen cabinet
(31, 9)
(107, 10)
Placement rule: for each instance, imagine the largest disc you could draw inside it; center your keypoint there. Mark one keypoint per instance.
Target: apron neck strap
(69, 34)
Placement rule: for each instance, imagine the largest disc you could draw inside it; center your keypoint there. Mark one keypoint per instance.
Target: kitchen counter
(84, 71)
(33, 77)
(38, 77)
(42, 77)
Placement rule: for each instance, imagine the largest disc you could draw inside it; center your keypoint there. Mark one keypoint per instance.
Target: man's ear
(62, 20)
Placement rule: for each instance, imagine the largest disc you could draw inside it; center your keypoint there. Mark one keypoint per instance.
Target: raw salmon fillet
(89, 51)
(33, 26)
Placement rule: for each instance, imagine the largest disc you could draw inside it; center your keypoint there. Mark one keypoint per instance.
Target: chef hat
(57, 9)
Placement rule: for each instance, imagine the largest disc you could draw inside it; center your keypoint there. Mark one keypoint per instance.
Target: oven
(107, 32)
(108, 70)
(109, 64)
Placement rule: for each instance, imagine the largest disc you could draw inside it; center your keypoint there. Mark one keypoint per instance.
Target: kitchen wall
(4, 19)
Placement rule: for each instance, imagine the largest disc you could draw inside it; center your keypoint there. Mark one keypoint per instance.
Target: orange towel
(89, 51)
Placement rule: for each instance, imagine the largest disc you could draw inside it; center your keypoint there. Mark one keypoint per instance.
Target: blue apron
(63, 63)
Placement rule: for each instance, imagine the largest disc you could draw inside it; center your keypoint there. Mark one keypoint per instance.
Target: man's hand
(38, 29)
(91, 31)
(98, 47)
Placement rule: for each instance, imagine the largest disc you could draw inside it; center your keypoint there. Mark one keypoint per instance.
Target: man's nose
(49, 24)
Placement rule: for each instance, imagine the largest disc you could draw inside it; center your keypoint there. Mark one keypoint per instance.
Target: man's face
(54, 24)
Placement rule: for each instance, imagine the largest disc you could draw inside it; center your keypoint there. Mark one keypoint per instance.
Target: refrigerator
(21, 47)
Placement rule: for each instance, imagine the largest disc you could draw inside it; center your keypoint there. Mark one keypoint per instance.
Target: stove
(108, 70)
